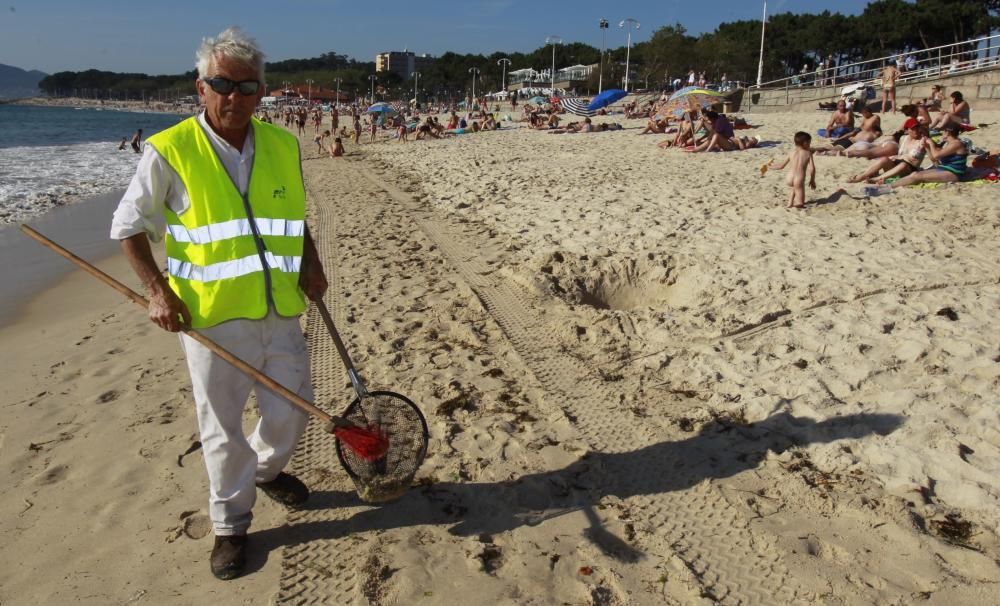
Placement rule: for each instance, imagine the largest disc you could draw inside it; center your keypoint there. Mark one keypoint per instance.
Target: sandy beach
(646, 381)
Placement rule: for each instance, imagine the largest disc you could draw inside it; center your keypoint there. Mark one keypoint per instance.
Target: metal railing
(925, 64)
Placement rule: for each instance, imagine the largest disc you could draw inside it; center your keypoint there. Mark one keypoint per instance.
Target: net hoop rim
(371, 394)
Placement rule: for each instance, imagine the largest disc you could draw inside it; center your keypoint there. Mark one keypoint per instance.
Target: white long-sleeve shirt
(156, 186)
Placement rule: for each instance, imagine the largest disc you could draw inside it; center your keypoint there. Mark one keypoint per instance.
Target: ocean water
(52, 156)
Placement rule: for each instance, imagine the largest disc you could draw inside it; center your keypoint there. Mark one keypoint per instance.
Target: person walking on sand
(889, 76)
(801, 160)
(240, 265)
(136, 141)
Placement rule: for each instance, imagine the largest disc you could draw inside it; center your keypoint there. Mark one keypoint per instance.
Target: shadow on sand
(719, 450)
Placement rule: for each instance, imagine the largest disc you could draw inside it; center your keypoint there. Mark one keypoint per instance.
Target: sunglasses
(224, 86)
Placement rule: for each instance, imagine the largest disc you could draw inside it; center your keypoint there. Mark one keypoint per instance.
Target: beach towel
(840, 131)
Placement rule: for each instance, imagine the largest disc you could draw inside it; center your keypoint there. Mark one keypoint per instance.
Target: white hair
(232, 43)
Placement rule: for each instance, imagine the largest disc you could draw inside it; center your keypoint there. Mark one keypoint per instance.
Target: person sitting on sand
(871, 129)
(949, 160)
(801, 160)
(841, 122)
(911, 154)
(721, 134)
(918, 112)
(337, 149)
(685, 132)
(426, 129)
(958, 114)
(936, 100)
(656, 126)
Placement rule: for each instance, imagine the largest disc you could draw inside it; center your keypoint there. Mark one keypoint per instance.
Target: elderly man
(240, 262)
(841, 122)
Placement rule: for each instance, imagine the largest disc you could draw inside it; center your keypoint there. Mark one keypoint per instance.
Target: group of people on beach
(895, 160)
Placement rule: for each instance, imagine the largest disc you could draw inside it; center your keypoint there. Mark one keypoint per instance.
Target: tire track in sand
(696, 524)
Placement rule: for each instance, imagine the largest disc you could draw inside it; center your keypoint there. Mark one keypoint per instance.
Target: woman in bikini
(949, 160)
(889, 76)
(911, 154)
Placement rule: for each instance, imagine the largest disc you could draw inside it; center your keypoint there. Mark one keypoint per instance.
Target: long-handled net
(395, 419)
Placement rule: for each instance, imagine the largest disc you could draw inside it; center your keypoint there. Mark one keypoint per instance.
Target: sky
(161, 37)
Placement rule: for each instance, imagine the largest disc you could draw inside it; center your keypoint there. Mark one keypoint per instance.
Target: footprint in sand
(52, 475)
(197, 526)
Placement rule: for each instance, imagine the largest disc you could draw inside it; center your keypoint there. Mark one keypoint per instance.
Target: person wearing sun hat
(909, 158)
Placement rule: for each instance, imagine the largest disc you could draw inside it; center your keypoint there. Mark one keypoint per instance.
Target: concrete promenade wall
(981, 88)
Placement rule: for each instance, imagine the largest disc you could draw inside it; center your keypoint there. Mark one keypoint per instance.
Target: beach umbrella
(577, 107)
(688, 98)
(606, 98)
(382, 108)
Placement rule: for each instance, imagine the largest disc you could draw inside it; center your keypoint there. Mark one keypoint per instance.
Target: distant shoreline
(158, 107)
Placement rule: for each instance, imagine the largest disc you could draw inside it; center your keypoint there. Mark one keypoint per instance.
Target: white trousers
(236, 463)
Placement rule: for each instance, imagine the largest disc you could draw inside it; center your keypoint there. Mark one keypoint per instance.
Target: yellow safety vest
(230, 256)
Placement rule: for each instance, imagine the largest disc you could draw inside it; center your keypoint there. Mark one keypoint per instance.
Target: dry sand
(646, 382)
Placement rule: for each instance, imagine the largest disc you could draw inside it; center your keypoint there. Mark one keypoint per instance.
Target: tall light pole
(604, 37)
(760, 66)
(416, 78)
(337, 103)
(553, 40)
(310, 83)
(475, 73)
(373, 78)
(629, 22)
(503, 78)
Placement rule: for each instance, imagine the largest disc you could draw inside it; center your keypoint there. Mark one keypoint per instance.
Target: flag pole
(760, 66)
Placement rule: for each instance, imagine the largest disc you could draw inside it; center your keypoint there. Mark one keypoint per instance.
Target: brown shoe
(286, 489)
(229, 556)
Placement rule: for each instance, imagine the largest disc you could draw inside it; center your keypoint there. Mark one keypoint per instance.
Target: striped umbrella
(577, 107)
(688, 98)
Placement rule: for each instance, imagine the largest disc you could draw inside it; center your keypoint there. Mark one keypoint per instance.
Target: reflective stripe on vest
(230, 256)
(235, 228)
(231, 269)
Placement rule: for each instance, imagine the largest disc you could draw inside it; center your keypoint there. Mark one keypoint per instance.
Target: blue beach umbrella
(606, 98)
(382, 108)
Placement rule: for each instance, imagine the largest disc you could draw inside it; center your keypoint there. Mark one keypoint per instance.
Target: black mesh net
(403, 425)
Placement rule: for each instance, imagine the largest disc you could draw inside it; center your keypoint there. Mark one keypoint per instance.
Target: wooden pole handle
(217, 349)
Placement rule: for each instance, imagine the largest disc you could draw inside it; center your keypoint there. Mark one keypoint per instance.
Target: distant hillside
(15, 82)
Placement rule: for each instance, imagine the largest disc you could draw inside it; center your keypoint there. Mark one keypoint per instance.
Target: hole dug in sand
(617, 283)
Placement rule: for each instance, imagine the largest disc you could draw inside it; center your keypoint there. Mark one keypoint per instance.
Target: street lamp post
(373, 78)
(604, 37)
(553, 40)
(630, 22)
(416, 79)
(337, 102)
(310, 83)
(503, 78)
(475, 73)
